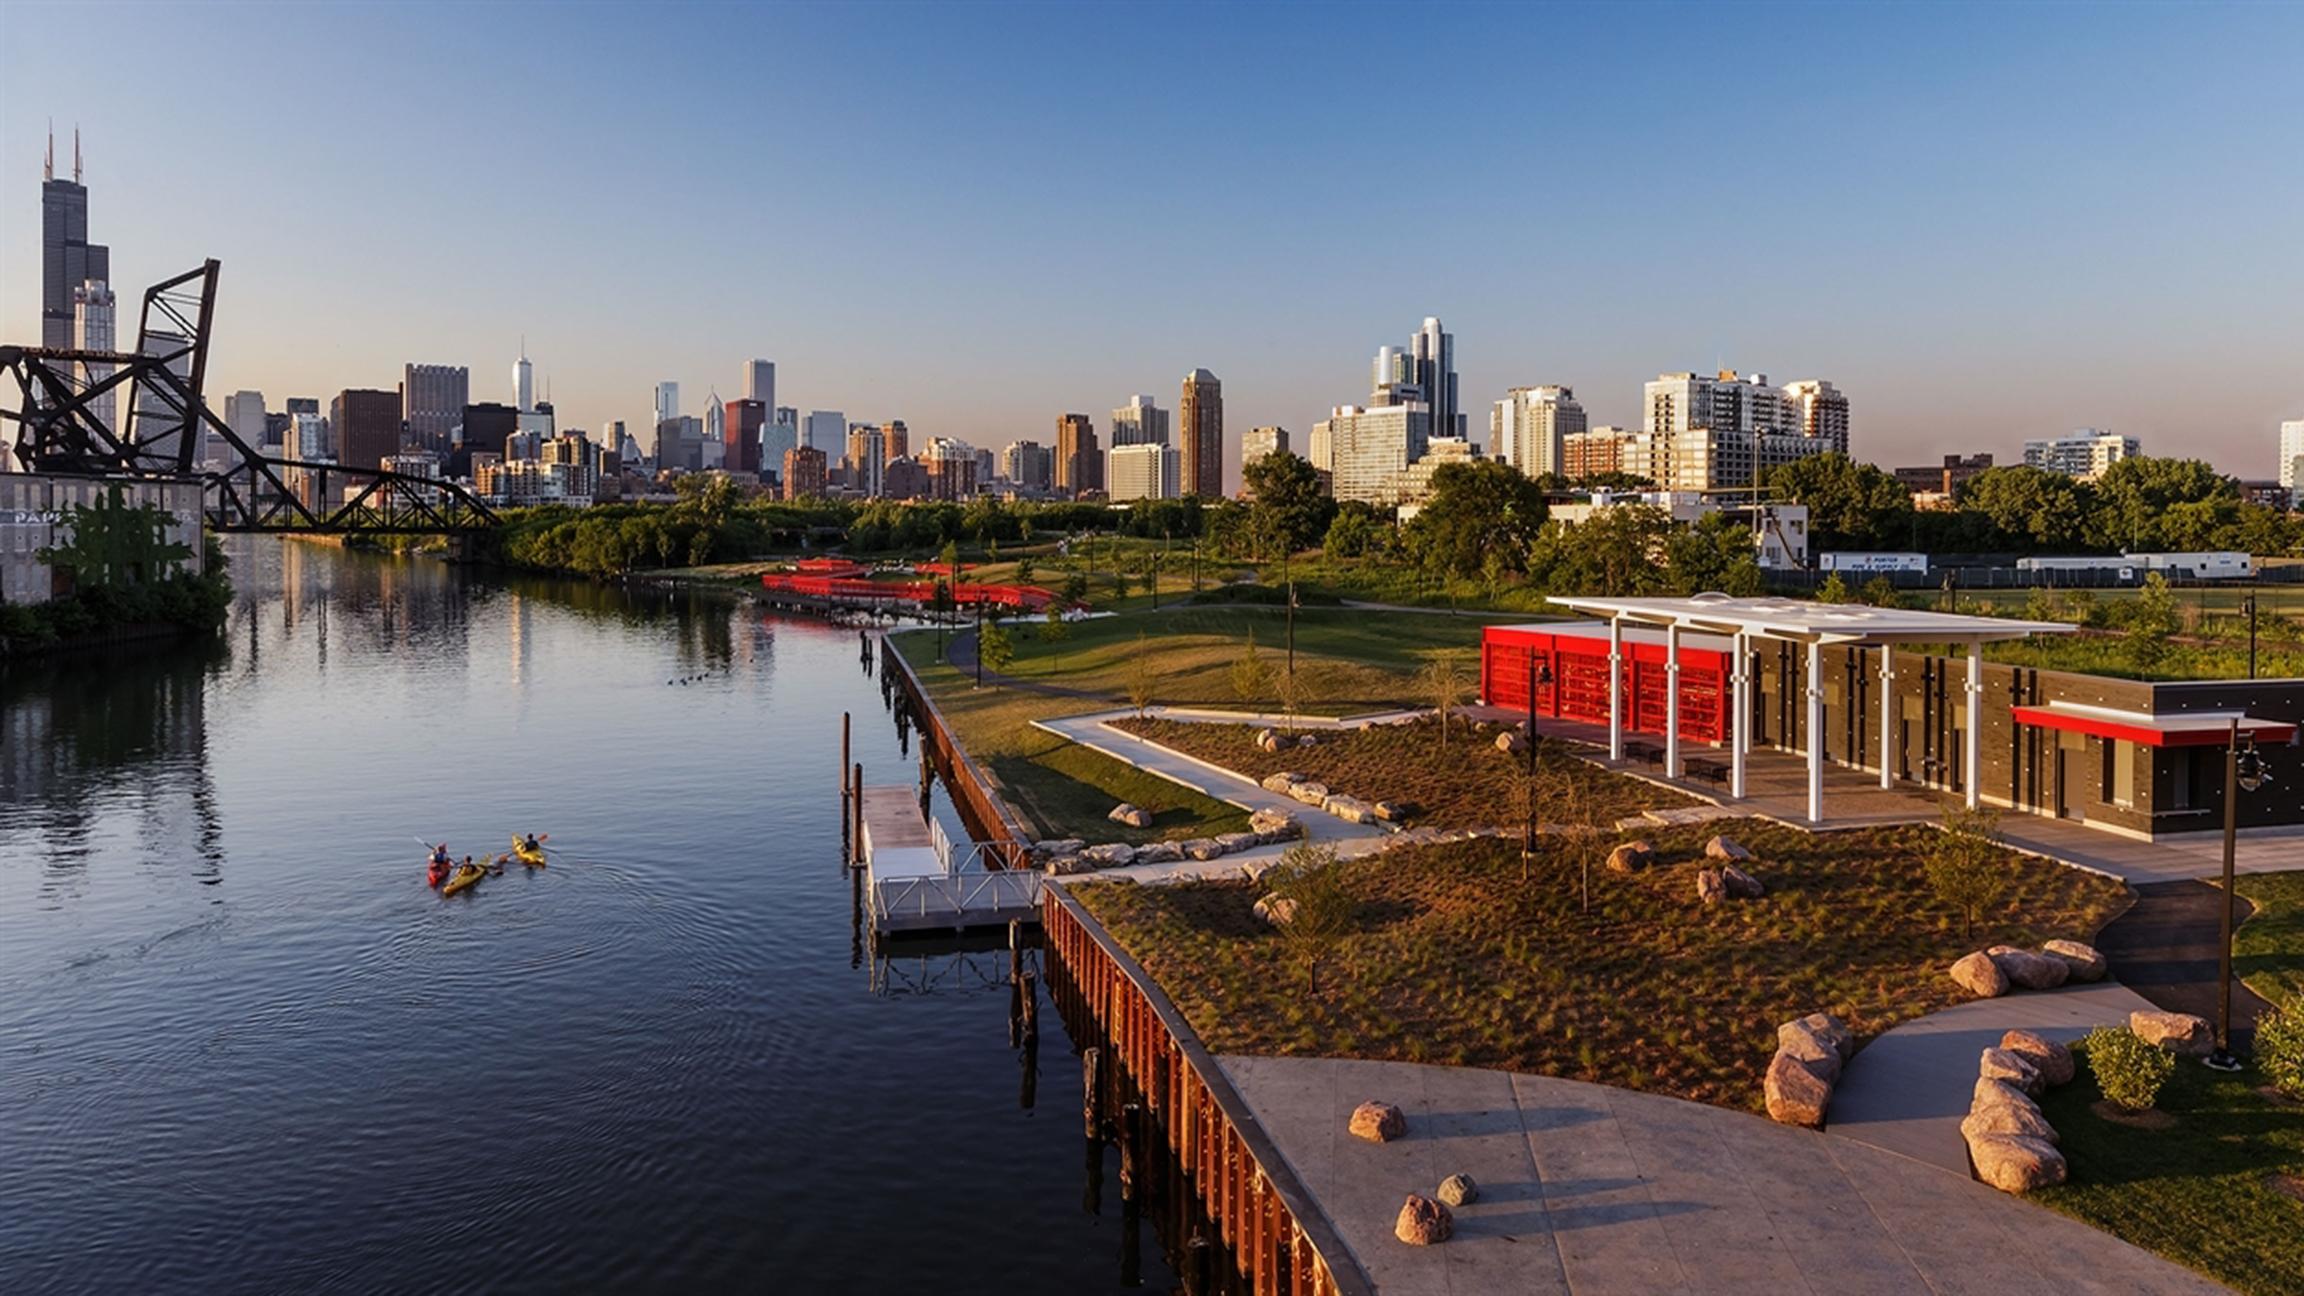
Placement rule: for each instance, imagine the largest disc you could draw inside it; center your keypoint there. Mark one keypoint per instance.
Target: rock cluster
(1133, 816)
(1987, 974)
(1377, 1122)
(1809, 1054)
(2174, 1031)
(2010, 1142)
(1351, 809)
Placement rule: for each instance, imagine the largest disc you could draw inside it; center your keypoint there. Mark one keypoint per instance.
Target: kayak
(466, 875)
(531, 858)
(435, 873)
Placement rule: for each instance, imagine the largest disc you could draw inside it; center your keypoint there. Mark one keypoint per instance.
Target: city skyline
(1977, 287)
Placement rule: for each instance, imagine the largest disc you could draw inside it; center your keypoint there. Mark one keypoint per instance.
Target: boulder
(2027, 969)
(2016, 1163)
(1825, 1027)
(1284, 781)
(1307, 740)
(1990, 1093)
(2081, 959)
(1795, 1094)
(1133, 816)
(2026, 1121)
(1809, 1050)
(1741, 885)
(1726, 848)
(1202, 848)
(1511, 743)
(1458, 1190)
(1350, 809)
(1980, 976)
(1709, 888)
(2000, 1064)
(1310, 791)
(1266, 740)
(1274, 911)
(1059, 846)
(1395, 811)
(1631, 857)
(1423, 1222)
(1067, 865)
(1377, 1122)
(1159, 853)
(1112, 855)
(2052, 1060)
(1271, 820)
(2174, 1031)
(1235, 842)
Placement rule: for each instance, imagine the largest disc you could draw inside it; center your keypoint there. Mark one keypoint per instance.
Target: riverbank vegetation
(125, 577)
(1455, 955)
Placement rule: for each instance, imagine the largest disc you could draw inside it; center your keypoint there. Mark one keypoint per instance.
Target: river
(243, 1047)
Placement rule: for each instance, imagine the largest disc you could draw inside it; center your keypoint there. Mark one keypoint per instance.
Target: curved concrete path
(1586, 1189)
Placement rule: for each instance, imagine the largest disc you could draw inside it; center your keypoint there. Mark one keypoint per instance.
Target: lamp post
(2249, 604)
(1538, 673)
(2243, 771)
(979, 643)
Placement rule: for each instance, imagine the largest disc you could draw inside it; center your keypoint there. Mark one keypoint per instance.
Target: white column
(1887, 715)
(1975, 743)
(1615, 688)
(1815, 684)
(1672, 700)
(1740, 720)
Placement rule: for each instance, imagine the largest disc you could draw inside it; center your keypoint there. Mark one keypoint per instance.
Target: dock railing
(1278, 1238)
(980, 807)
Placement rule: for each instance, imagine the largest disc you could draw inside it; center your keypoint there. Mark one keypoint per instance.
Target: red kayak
(436, 873)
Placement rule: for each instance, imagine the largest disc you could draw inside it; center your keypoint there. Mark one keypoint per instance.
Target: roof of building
(1807, 622)
(2184, 729)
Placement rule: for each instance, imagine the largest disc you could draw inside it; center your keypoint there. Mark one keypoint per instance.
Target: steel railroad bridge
(50, 395)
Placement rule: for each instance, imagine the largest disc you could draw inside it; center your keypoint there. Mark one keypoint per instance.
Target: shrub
(1309, 876)
(2280, 1048)
(2128, 1070)
(1965, 866)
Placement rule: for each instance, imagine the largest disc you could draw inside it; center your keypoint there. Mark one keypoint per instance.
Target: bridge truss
(54, 404)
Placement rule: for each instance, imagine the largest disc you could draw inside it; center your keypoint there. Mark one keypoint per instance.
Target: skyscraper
(1027, 464)
(1262, 441)
(1818, 410)
(667, 401)
(1527, 427)
(244, 414)
(804, 472)
(866, 458)
(826, 430)
(760, 383)
(1363, 448)
(1139, 422)
(1201, 415)
(741, 424)
(523, 381)
(365, 426)
(2291, 450)
(715, 429)
(67, 259)
(93, 325)
(895, 440)
(432, 401)
(1079, 462)
(1141, 470)
(1432, 366)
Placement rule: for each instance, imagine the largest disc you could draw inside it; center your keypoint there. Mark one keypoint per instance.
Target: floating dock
(917, 879)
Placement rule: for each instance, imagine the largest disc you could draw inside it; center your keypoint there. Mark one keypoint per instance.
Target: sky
(1983, 222)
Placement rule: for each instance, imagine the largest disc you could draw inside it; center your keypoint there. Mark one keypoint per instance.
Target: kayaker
(437, 872)
(440, 855)
(531, 846)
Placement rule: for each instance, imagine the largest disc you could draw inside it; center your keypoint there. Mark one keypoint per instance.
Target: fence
(1965, 579)
(1277, 1237)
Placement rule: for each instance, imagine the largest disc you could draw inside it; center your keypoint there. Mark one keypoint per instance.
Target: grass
(2268, 949)
(2206, 1191)
(1454, 959)
(1465, 784)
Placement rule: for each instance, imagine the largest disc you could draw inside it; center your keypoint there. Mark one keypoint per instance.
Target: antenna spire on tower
(48, 168)
(76, 155)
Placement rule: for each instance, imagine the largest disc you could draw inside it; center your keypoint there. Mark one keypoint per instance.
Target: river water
(243, 1047)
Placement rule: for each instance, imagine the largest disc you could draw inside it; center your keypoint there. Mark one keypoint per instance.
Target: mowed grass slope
(2268, 949)
(1455, 959)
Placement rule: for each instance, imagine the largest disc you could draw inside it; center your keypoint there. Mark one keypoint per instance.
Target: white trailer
(1872, 562)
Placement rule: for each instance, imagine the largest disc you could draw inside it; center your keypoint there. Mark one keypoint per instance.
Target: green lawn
(2268, 949)
(2221, 1189)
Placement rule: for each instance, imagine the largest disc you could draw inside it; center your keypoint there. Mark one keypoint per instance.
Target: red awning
(2179, 729)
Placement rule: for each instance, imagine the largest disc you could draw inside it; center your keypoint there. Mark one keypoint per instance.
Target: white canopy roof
(1807, 622)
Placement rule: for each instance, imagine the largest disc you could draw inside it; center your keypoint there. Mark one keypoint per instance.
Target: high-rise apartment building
(1432, 367)
(1940, 479)
(487, 427)
(365, 426)
(760, 383)
(1200, 421)
(1608, 451)
(244, 414)
(1819, 412)
(2085, 454)
(432, 401)
(1028, 465)
(804, 472)
(782, 433)
(1724, 430)
(667, 401)
(1141, 470)
(826, 430)
(742, 424)
(1139, 422)
(1392, 378)
(2292, 455)
(680, 444)
(1360, 448)
(1260, 442)
(67, 259)
(93, 329)
(1528, 428)
(866, 459)
(895, 440)
(1079, 461)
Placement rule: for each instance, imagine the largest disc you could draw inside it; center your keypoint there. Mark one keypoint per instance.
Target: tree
(1056, 631)
(1487, 506)
(1712, 554)
(1075, 590)
(1354, 532)
(1850, 505)
(1442, 683)
(1617, 552)
(1286, 510)
(2151, 619)
(1320, 909)
(996, 647)
(1879, 592)
(1834, 590)
(1024, 571)
(1143, 676)
(1251, 678)
(949, 557)
(2030, 509)
(1966, 867)
(2139, 502)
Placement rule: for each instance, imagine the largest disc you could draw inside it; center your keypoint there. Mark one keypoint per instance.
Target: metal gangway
(916, 878)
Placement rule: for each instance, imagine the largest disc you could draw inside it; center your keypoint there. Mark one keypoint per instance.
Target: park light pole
(2249, 605)
(1538, 673)
(2243, 771)
(979, 643)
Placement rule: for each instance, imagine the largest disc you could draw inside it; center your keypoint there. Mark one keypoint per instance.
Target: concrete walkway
(1586, 1189)
(1906, 1090)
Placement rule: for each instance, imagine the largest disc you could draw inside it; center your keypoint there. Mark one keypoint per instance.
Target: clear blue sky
(1984, 222)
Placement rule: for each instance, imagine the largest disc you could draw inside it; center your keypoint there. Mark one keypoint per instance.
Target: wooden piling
(1015, 949)
(1031, 992)
(859, 812)
(1131, 1129)
(1091, 1092)
(844, 757)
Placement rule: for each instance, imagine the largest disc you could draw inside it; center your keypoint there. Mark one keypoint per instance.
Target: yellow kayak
(533, 858)
(464, 876)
